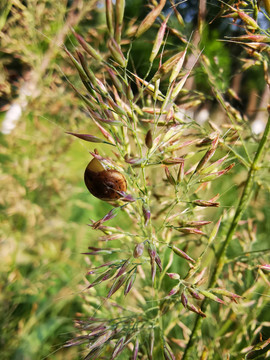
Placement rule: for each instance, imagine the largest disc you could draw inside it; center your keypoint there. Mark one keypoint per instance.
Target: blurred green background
(45, 207)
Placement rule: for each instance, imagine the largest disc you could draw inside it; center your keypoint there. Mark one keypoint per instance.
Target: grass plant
(178, 267)
(168, 284)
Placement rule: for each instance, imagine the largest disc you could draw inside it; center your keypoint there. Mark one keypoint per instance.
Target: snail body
(105, 184)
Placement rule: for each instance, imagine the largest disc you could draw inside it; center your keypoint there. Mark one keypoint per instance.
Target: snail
(105, 184)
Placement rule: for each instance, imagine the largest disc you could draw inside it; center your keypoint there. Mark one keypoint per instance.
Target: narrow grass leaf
(150, 19)
(184, 299)
(89, 138)
(159, 39)
(110, 17)
(116, 53)
(182, 254)
(118, 282)
(211, 296)
(101, 340)
(177, 14)
(130, 281)
(119, 15)
(194, 293)
(136, 349)
(88, 48)
(167, 66)
(117, 348)
(198, 311)
(226, 293)
(176, 70)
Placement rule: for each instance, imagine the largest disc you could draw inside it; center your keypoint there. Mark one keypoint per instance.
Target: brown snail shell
(105, 184)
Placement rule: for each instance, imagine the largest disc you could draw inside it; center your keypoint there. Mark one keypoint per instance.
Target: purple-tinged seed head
(174, 276)
(184, 299)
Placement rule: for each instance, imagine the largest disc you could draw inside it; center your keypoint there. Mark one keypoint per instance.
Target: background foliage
(44, 204)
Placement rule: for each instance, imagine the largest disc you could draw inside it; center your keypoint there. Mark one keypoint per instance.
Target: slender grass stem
(222, 102)
(245, 198)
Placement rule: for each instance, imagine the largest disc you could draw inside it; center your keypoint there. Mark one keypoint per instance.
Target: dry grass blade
(150, 19)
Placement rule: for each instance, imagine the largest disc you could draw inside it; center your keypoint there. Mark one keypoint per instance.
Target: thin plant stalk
(243, 203)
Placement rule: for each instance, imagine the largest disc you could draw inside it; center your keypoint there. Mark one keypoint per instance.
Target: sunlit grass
(47, 212)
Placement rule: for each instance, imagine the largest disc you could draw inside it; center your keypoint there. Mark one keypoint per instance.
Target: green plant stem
(222, 102)
(245, 198)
